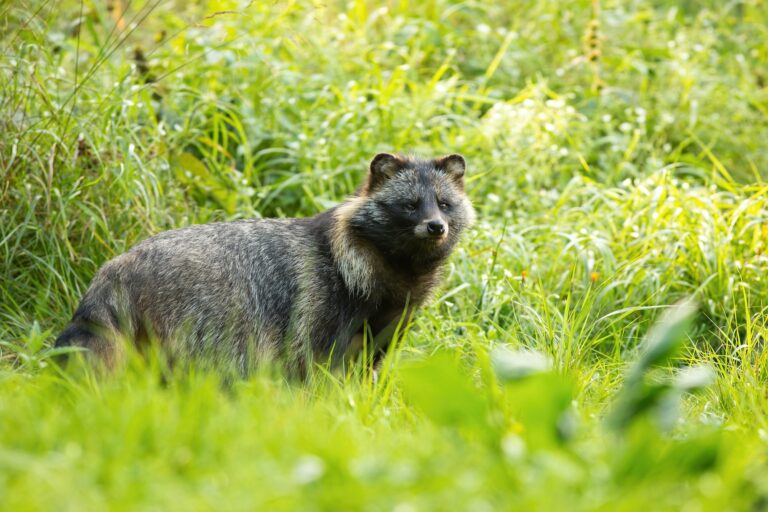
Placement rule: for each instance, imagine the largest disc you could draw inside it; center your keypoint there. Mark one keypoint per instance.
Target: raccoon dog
(236, 293)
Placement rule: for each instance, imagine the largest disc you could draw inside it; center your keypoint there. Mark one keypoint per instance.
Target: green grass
(618, 165)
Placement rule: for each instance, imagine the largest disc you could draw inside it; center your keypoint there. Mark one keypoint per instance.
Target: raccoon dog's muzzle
(433, 229)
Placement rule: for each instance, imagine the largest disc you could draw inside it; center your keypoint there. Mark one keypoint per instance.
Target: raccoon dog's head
(413, 209)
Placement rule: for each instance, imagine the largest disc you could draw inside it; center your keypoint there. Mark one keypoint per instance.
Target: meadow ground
(617, 162)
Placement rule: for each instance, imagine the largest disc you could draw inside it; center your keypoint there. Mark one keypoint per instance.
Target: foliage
(617, 165)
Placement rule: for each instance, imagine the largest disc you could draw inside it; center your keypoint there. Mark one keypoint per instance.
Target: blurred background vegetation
(617, 163)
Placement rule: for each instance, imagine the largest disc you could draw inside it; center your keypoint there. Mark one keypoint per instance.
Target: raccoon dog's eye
(444, 205)
(411, 207)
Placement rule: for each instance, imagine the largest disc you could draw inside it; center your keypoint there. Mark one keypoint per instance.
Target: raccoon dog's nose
(435, 227)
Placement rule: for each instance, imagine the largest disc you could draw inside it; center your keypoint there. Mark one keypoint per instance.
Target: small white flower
(555, 103)
(308, 469)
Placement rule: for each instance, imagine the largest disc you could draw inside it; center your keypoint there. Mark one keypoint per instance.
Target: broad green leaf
(665, 339)
(441, 389)
(516, 364)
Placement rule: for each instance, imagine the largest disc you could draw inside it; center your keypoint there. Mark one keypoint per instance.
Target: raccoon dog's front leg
(388, 328)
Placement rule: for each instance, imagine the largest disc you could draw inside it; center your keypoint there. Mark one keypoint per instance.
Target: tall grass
(617, 165)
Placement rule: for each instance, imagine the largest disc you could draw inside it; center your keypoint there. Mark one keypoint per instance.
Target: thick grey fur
(234, 294)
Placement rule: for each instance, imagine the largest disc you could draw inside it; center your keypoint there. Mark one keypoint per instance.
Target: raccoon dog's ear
(383, 167)
(454, 166)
